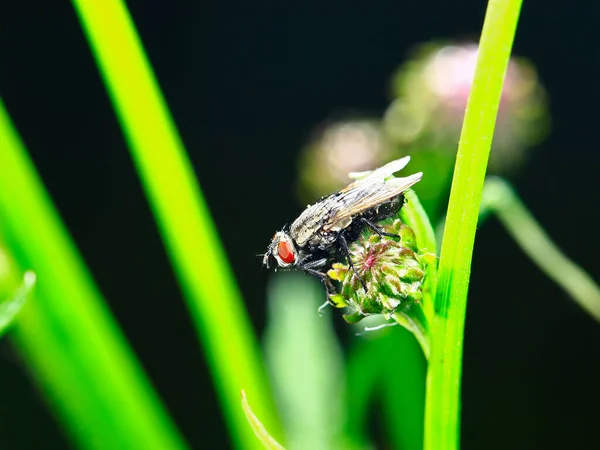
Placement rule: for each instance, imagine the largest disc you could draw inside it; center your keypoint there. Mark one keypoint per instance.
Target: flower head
(432, 90)
(393, 271)
(337, 149)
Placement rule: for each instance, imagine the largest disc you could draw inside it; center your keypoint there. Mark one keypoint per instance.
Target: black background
(247, 82)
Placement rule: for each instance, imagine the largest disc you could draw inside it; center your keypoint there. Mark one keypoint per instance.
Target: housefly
(321, 234)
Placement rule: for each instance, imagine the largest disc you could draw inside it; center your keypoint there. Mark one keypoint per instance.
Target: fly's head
(282, 250)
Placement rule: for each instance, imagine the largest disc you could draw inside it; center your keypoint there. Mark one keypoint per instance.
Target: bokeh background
(247, 84)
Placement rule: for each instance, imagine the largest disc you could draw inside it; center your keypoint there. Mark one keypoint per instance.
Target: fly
(322, 233)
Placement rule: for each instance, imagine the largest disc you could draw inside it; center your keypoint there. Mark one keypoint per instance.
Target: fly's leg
(329, 288)
(346, 252)
(376, 228)
(309, 268)
(324, 279)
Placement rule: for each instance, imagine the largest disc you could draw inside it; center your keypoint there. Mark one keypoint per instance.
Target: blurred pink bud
(431, 93)
(337, 149)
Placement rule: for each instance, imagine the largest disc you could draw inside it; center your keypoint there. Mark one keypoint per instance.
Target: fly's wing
(370, 189)
(384, 171)
(365, 194)
(310, 221)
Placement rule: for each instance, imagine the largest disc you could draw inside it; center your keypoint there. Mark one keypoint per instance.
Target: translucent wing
(384, 171)
(368, 192)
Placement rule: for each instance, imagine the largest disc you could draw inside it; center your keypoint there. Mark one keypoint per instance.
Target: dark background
(247, 82)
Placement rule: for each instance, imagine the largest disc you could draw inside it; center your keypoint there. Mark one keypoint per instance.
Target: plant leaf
(413, 215)
(500, 198)
(305, 363)
(11, 307)
(175, 197)
(259, 429)
(442, 413)
(67, 337)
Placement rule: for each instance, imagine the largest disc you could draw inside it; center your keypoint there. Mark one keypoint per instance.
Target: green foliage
(92, 379)
(259, 429)
(442, 420)
(183, 218)
(385, 372)
(15, 289)
(9, 308)
(305, 363)
(66, 334)
(500, 199)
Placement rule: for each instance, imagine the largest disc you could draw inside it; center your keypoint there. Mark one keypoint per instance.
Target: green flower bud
(392, 269)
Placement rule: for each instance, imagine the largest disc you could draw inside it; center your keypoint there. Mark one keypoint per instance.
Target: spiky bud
(392, 269)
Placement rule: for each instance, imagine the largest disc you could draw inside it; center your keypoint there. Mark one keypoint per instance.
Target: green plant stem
(442, 415)
(184, 220)
(418, 327)
(500, 198)
(413, 214)
(262, 434)
(65, 332)
(401, 389)
(305, 362)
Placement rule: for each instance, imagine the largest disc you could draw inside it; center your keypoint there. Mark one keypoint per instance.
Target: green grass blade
(442, 418)
(402, 389)
(386, 370)
(259, 429)
(363, 370)
(416, 322)
(305, 362)
(9, 308)
(65, 332)
(500, 198)
(182, 215)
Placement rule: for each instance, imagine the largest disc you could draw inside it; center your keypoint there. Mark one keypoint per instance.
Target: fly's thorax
(283, 249)
(389, 209)
(341, 224)
(309, 223)
(323, 240)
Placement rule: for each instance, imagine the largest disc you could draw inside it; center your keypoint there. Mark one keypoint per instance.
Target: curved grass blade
(183, 218)
(259, 429)
(362, 377)
(442, 418)
(66, 334)
(500, 198)
(11, 307)
(387, 369)
(305, 363)
(402, 389)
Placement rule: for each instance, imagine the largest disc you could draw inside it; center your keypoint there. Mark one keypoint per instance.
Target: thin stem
(262, 434)
(442, 416)
(499, 197)
(413, 214)
(418, 327)
(182, 215)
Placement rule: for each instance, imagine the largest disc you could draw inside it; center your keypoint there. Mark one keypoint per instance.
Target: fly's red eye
(285, 251)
